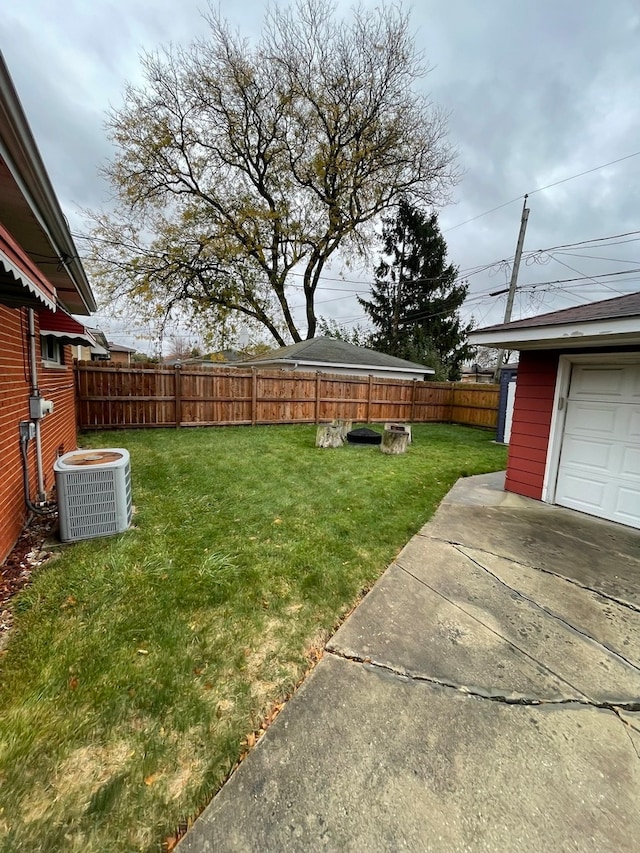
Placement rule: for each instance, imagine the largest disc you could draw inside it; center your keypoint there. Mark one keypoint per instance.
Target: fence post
(413, 400)
(254, 396)
(369, 398)
(178, 394)
(317, 396)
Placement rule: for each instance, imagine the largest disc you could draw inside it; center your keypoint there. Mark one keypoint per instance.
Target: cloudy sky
(537, 90)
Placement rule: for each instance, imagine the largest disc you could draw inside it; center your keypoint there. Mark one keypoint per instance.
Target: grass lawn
(141, 665)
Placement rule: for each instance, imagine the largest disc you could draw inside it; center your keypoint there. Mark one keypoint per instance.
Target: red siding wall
(531, 422)
(58, 429)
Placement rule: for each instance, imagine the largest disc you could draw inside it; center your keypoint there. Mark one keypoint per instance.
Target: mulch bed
(16, 571)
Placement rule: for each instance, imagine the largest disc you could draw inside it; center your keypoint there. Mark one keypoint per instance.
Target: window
(52, 351)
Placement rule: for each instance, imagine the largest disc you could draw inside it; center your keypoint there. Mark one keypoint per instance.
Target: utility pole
(514, 278)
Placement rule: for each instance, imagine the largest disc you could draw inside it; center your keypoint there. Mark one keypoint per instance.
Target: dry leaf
(170, 843)
(73, 683)
(277, 521)
(70, 601)
(150, 779)
(251, 740)
(198, 670)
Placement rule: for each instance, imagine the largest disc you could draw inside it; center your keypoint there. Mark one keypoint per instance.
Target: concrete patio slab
(413, 630)
(485, 695)
(609, 623)
(367, 760)
(596, 554)
(449, 619)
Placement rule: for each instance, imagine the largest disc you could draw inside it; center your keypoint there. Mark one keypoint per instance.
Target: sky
(537, 91)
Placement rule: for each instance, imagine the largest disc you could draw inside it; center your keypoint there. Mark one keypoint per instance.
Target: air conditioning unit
(94, 493)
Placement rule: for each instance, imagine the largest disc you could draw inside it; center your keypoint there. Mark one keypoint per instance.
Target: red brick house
(575, 436)
(41, 282)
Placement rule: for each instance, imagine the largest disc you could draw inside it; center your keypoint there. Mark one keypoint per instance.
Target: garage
(575, 438)
(599, 467)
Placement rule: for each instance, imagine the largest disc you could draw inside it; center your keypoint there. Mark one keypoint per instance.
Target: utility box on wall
(94, 493)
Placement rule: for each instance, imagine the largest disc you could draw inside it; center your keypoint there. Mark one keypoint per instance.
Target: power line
(598, 258)
(580, 278)
(586, 172)
(593, 240)
(590, 277)
(540, 189)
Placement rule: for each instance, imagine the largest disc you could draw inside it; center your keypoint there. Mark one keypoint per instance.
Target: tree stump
(394, 427)
(394, 442)
(345, 426)
(330, 435)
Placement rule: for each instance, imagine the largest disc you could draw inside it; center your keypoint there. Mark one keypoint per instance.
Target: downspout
(35, 392)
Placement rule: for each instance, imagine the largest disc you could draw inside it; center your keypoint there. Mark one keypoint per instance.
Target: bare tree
(486, 357)
(241, 170)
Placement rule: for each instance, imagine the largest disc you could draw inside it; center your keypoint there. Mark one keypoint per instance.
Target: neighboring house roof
(609, 322)
(118, 348)
(331, 352)
(30, 210)
(101, 346)
(62, 326)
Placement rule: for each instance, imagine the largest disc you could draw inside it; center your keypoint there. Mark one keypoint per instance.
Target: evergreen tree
(416, 297)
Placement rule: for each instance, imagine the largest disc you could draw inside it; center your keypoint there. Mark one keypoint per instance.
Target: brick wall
(58, 429)
(531, 423)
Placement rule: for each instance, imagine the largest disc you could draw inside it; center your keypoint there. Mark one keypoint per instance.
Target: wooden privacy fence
(113, 396)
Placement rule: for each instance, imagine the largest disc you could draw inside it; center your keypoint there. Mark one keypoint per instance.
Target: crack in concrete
(609, 550)
(549, 613)
(621, 602)
(522, 651)
(627, 727)
(500, 698)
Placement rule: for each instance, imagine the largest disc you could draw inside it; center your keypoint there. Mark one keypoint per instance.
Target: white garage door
(599, 469)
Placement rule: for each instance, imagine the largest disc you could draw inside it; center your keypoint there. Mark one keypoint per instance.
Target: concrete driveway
(485, 695)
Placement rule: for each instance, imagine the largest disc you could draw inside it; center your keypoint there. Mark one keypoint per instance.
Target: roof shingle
(605, 309)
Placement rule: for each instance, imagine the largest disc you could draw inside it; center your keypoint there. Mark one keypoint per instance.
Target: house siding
(58, 429)
(531, 425)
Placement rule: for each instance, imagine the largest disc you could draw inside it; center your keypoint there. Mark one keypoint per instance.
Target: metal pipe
(35, 392)
(38, 510)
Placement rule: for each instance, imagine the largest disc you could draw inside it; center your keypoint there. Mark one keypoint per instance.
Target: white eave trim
(23, 278)
(342, 365)
(625, 330)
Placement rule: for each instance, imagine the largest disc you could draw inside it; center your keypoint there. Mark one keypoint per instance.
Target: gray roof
(606, 309)
(119, 348)
(325, 350)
